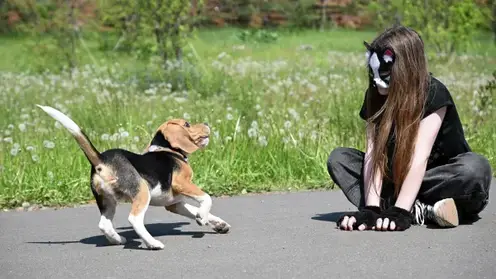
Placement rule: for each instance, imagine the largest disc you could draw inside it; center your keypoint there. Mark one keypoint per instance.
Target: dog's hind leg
(107, 206)
(191, 211)
(140, 203)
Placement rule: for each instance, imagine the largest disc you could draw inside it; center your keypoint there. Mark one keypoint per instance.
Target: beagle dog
(161, 176)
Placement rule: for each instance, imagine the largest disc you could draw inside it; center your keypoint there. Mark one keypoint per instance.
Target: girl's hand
(361, 220)
(394, 219)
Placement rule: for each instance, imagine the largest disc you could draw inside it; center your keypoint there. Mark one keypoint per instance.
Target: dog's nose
(206, 124)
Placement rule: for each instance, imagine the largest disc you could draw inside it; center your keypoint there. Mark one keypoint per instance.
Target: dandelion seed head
(252, 132)
(48, 144)
(14, 151)
(35, 158)
(262, 140)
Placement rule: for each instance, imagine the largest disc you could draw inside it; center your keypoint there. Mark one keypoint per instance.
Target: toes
(222, 228)
(156, 245)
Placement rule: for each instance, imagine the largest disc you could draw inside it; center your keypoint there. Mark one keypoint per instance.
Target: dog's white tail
(63, 119)
(89, 150)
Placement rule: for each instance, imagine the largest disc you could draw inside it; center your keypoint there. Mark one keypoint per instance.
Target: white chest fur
(161, 198)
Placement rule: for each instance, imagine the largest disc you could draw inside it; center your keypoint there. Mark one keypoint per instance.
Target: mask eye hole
(385, 73)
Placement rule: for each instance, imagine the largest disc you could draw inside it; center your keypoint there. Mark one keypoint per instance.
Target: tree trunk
(323, 16)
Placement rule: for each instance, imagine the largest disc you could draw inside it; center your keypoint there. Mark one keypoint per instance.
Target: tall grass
(276, 112)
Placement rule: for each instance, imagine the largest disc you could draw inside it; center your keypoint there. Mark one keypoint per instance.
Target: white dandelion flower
(124, 134)
(48, 144)
(35, 158)
(14, 151)
(229, 116)
(9, 140)
(313, 135)
(252, 132)
(22, 127)
(105, 137)
(287, 124)
(114, 137)
(30, 148)
(186, 116)
(262, 140)
(294, 114)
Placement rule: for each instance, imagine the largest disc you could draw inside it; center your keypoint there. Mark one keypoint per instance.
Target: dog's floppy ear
(179, 138)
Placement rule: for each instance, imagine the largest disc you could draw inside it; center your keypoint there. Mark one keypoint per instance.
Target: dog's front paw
(201, 221)
(123, 240)
(221, 227)
(116, 239)
(155, 245)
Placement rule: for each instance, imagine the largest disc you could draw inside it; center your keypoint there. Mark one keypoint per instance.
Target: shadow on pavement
(329, 217)
(133, 240)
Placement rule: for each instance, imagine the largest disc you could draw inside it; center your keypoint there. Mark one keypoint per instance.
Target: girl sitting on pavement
(417, 165)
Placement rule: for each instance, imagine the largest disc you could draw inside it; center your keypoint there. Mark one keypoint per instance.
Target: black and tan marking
(162, 177)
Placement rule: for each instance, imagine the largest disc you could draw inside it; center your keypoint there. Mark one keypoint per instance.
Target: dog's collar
(156, 148)
(159, 143)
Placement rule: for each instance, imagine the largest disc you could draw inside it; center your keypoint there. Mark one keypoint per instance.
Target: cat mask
(380, 62)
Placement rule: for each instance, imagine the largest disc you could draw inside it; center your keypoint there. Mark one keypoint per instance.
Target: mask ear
(388, 56)
(369, 48)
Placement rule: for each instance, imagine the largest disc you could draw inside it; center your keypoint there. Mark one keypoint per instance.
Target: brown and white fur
(161, 176)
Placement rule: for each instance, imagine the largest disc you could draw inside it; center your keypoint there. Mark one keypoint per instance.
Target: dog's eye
(186, 124)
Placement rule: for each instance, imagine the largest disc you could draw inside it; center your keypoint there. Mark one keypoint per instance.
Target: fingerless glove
(367, 215)
(401, 217)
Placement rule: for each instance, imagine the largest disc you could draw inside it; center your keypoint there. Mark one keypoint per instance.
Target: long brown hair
(400, 111)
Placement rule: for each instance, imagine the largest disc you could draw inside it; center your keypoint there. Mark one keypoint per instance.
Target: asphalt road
(273, 236)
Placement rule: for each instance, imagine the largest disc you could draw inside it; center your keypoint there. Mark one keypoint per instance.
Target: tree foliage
(447, 25)
(149, 27)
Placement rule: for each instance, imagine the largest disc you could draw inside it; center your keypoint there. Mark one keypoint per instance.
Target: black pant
(465, 178)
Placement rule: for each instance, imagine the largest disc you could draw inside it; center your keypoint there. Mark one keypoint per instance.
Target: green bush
(446, 25)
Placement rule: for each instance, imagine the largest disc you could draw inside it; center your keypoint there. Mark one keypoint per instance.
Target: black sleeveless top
(450, 140)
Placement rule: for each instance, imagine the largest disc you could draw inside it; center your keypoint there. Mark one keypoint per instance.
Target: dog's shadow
(133, 240)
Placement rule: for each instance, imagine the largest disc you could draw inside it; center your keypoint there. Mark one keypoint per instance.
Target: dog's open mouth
(204, 141)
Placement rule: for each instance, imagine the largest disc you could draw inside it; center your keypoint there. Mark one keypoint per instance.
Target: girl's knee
(476, 168)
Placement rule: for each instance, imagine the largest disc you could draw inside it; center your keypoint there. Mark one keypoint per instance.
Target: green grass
(276, 110)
